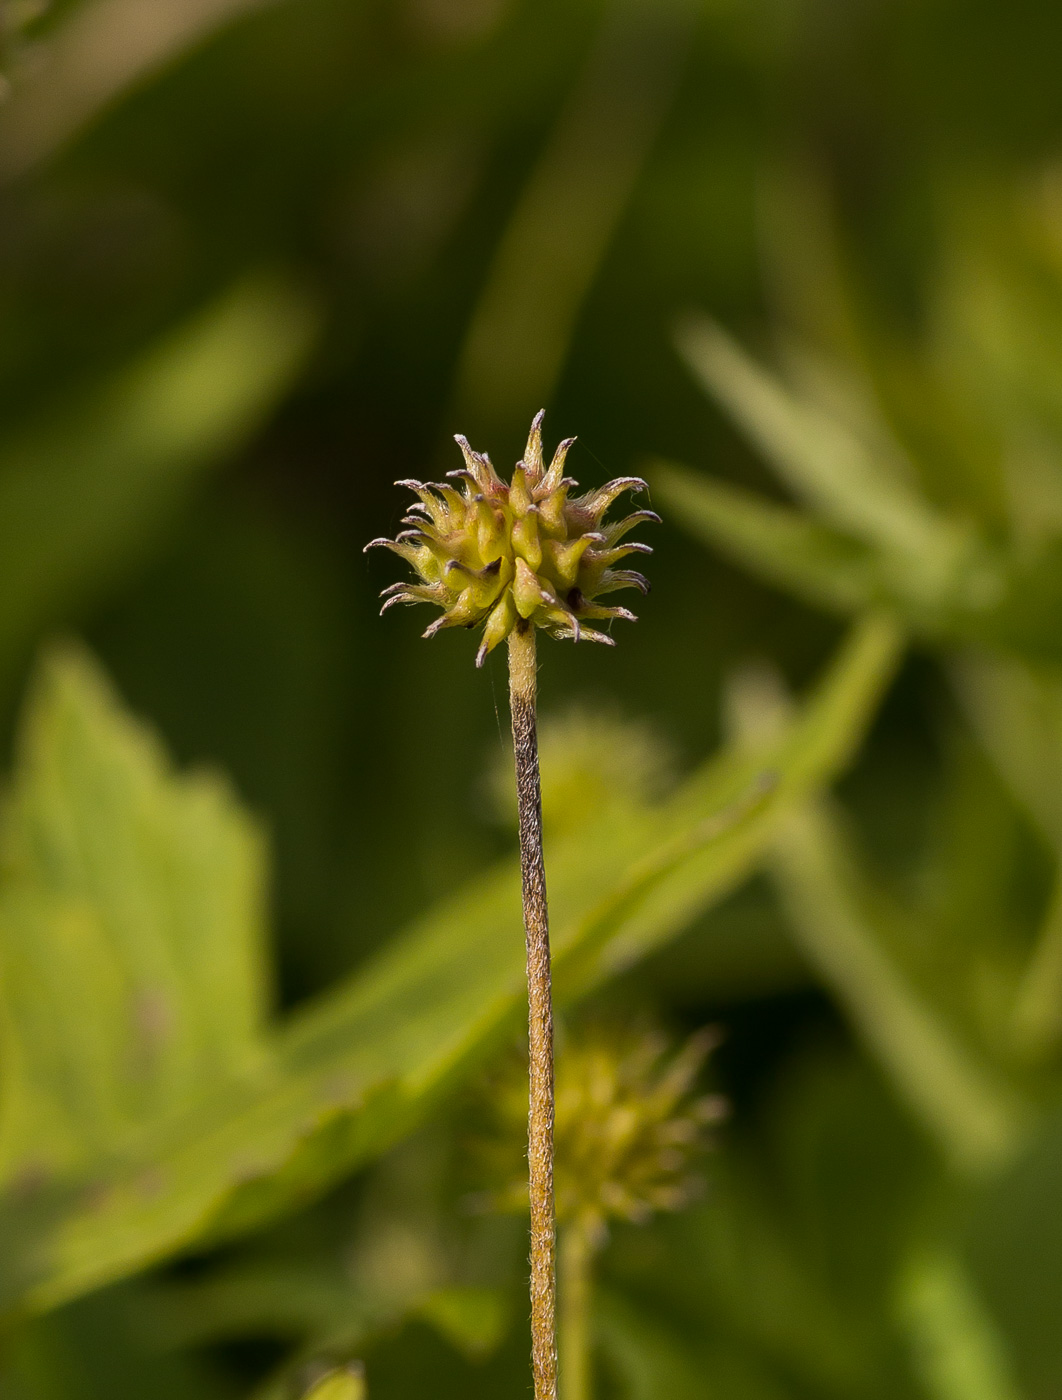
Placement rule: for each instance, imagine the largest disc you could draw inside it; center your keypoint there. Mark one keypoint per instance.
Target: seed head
(628, 1125)
(494, 552)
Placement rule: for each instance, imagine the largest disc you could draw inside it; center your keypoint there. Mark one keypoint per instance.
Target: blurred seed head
(495, 553)
(629, 1125)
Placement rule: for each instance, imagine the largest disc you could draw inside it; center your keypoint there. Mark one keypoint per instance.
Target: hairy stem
(522, 692)
(578, 1245)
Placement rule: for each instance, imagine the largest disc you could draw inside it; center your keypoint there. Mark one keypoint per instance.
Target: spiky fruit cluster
(495, 552)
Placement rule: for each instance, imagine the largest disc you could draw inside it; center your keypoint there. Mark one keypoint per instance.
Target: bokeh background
(258, 260)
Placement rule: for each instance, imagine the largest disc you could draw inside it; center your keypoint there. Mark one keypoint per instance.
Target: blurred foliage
(166, 1116)
(258, 259)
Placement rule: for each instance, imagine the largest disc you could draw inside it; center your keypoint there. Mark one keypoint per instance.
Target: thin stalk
(577, 1249)
(522, 695)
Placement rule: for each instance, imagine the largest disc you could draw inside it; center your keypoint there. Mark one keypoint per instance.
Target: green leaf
(1012, 1246)
(872, 540)
(83, 493)
(970, 1109)
(813, 451)
(349, 1075)
(1016, 711)
(543, 267)
(132, 966)
(347, 1384)
(957, 1348)
(53, 104)
(473, 1320)
(780, 544)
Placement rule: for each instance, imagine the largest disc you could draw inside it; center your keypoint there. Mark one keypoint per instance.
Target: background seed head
(494, 553)
(629, 1124)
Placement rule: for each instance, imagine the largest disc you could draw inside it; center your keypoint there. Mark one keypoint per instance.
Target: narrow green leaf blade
(819, 564)
(957, 1347)
(969, 1108)
(824, 463)
(1016, 710)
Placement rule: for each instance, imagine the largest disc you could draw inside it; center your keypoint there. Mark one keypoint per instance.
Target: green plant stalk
(578, 1247)
(522, 702)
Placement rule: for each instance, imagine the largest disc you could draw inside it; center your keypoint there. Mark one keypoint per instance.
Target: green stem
(576, 1269)
(522, 700)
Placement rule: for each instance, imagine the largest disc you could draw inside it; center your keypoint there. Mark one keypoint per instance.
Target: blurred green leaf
(873, 537)
(132, 947)
(273, 1298)
(348, 1384)
(847, 930)
(1016, 711)
(820, 565)
(765, 1288)
(827, 465)
(104, 48)
(957, 1348)
(82, 493)
(471, 1319)
(967, 1105)
(350, 1074)
(1013, 1248)
(1037, 1018)
(546, 261)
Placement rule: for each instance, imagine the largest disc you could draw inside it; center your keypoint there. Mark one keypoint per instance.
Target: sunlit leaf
(132, 950)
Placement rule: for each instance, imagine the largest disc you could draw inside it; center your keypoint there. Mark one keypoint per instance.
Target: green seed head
(492, 552)
(628, 1125)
